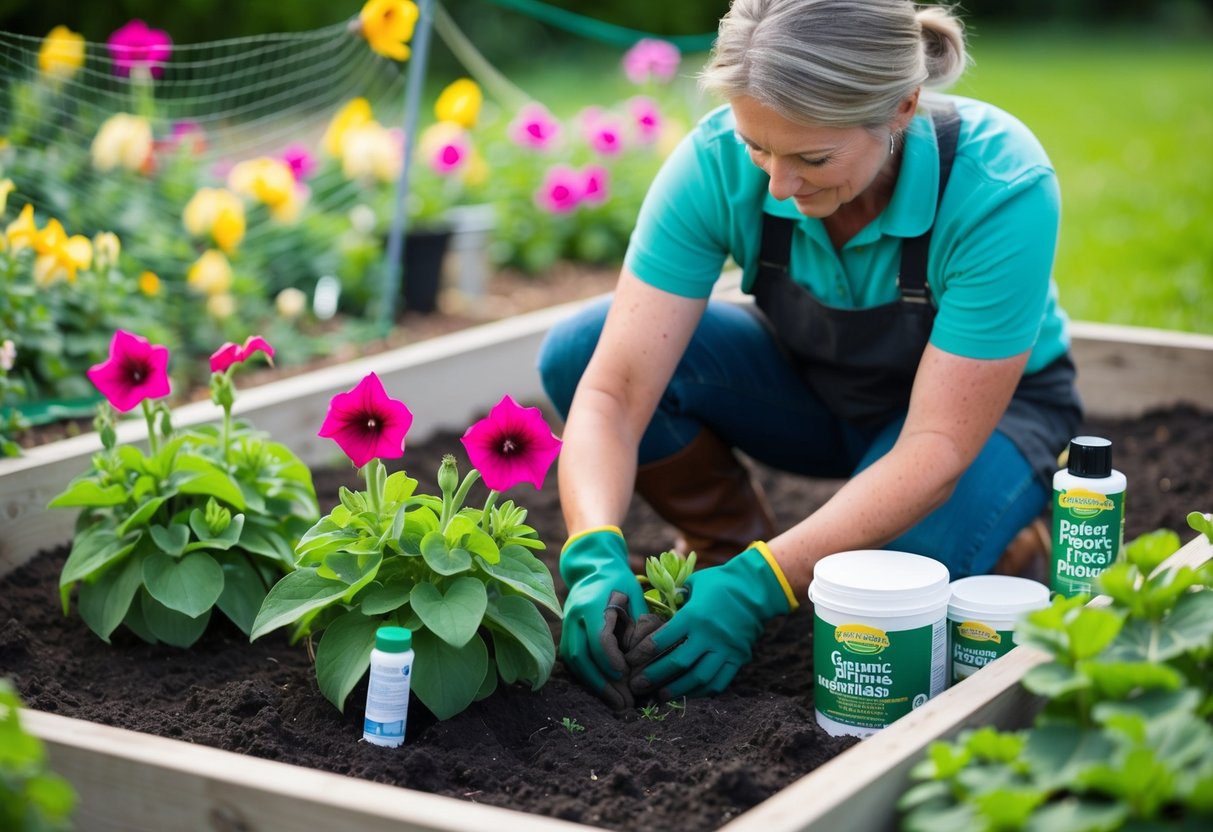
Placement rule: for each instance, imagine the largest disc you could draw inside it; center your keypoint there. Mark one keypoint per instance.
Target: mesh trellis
(209, 107)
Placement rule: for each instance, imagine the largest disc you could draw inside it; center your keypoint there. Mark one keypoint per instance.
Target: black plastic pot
(424, 250)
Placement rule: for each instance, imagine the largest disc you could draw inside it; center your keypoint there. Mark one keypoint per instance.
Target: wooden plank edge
(859, 789)
(133, 782)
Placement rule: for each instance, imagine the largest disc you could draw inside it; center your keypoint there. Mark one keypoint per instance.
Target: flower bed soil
(689, 768)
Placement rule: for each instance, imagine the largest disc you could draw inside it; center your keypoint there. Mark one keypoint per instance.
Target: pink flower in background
(230, 353)
(561, 190)
(651, 58)
(606, 136)
(190, 134)
(135, 45)
(135, 370)
(646, 116)
(594, 189)
(367, 423)
(446, 147)
(513, 444)
(534, 127)
(301, 161)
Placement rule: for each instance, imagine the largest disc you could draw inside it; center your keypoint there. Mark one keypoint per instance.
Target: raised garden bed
(697, 768)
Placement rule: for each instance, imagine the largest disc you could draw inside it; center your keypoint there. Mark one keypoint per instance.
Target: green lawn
(1128, 123)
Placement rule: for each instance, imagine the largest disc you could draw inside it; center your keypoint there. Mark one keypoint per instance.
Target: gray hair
(834, 63)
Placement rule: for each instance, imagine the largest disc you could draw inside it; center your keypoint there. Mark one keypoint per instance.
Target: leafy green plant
(461, 578)
(667, 575)
(571, 725)
(1124, 740)
(32, 798)
(205, 518)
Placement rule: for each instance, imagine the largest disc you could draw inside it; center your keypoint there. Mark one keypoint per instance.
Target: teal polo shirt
(991, 259)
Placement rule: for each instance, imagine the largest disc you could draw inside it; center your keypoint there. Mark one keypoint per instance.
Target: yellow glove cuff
(586, 532)
(763, 550)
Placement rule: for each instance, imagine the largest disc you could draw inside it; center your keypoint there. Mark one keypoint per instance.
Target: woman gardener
(905, 334)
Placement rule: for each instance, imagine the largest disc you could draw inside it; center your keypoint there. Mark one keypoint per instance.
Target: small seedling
(571, 725)
(666, 574)
(652, 712)
(1202, 523)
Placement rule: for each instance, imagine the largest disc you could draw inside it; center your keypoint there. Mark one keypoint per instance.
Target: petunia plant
(667, 574)
(462, 578)
(204, 518)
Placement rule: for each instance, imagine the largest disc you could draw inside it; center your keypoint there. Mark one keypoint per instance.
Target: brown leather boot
(706, 493)
(1027, 555)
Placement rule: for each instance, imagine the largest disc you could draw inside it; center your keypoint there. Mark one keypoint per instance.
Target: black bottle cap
(1090, 457)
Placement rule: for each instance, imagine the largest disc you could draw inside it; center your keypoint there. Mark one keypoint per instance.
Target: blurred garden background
(229, 166)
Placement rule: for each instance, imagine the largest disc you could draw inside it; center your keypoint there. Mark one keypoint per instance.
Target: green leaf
(1008, 808)
(1149, 550)
(445, 678)
(443, 559)
(171, 540)
(1091, 630)
(226, 539)
(1202, 523)
(398, 487)
(1116, 680)
(1057, 753)
(243, 590)
(489, 685)
(266, 542)
(189, 585)
(297, 594)
(1189, 627)
(170, 626)
(351, 568)
(1053, 680)
(526, 574)
(92, 550)
(54, 796)
(344, 654)
(88, 494)
(453, 616)
(198, 475)
(104, 602)
(519, 618)
(1079, 815)
(141, 515)
(513, 660)
(463, 532)
(380, 598)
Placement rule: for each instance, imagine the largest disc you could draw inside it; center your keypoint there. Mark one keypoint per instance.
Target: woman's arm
(646, 332)
(954, 407)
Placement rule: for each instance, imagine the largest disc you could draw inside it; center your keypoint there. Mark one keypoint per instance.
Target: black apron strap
(912, 273)
(775, 252)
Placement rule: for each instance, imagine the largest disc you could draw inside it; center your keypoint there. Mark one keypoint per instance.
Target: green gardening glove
(604, 599)
(700, 649)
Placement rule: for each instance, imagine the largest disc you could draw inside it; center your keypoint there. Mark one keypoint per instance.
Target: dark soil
(694, 766)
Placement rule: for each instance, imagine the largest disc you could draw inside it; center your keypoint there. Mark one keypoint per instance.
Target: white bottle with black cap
(1088, 517)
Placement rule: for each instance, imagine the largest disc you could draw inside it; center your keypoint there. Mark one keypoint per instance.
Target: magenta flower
(534, 127)
(367, 423)
(560, 192)
(605, 135)
(512, 444)
(651, 58)
(302, 163)
(594, 187)
(135, 45)
(646, 116)
(189, 134)
(230, 353)
(135, 370)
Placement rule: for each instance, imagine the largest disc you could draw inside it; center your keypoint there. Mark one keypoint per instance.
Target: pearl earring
(891, 146)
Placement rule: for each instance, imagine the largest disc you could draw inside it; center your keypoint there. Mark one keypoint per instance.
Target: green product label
(1088, 530)
(867, 677)
(974, 645)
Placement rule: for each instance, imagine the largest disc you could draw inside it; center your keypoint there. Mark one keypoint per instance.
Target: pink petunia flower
(512, 444)
(301, 161)
(367, 423)
(651, 58)
(594, 184)
(136, 45)
(606, 136)
(560, 192)
(230, 353)
(189, 134)
(646, 117)
(534, 127)
(135, 370)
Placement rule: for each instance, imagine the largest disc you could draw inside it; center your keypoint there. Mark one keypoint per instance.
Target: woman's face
(821, 168)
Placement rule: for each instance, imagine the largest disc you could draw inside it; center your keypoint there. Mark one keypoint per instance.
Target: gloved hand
(604, 602)
(700, 649)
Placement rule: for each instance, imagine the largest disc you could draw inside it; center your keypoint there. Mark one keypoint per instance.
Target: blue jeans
(735, 381)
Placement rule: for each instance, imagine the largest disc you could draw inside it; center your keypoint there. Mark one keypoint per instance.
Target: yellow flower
(355, 113)
(290, 302)
(388, 25)
(22, 231)
(6, 188)
(270, 182)
(62, 53)
(460, 102)
(211, 274)
(149, 284)
(221, 306)
(123, 140)
(107, 248)
(59, 256)
(216, 212)
(370, 151)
